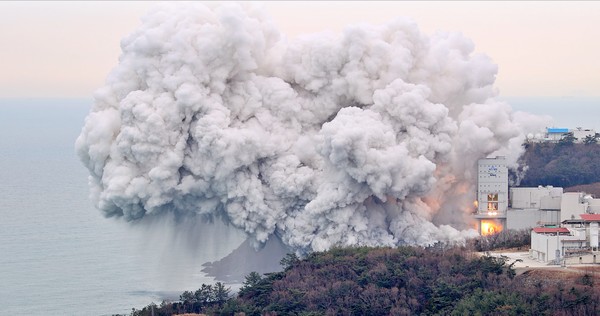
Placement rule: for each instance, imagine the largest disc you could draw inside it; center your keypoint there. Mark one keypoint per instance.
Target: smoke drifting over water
(368, 137)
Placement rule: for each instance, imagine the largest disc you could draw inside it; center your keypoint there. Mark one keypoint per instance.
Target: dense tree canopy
(404, 281)
(562, 165)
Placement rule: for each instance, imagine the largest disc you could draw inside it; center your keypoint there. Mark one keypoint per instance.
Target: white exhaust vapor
(368, 137)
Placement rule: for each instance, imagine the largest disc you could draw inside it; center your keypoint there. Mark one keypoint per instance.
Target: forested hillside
(401, 281)
(563, 164)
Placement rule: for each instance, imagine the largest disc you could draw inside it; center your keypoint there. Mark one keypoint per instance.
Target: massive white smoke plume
(368, 137)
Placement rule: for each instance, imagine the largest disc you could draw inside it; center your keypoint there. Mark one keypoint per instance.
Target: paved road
(527, 263)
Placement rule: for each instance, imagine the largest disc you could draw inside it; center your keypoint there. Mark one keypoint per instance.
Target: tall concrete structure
(492, 194)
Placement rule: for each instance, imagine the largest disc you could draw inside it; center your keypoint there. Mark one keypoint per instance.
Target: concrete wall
(543, 247)
(584, 259)
(593, 205)
(554, 136)
(572, 205)
(579, 233)
(594, 235)
(581, 134)
(529, 218)
(538, 197)
(551, 202)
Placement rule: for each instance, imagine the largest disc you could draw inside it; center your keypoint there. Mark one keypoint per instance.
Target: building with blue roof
(555, 134)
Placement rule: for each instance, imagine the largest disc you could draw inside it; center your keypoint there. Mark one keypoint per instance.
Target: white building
(592, 224)
(576, 242)
(580, 133)
(533, 207)
(546, 207)
(555, 134)
(571, 205)
(492, 194)
(546, 242)
(540, 197)
(575, 203)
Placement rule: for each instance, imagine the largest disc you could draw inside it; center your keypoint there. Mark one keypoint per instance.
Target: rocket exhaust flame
(490, 227)
(322, 140)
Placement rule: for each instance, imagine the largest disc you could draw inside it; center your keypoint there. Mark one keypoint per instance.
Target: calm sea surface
(58, 255)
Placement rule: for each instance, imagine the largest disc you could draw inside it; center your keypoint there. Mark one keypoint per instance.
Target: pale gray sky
(66, 49)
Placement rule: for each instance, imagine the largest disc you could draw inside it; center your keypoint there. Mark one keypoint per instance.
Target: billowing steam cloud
(370, 137)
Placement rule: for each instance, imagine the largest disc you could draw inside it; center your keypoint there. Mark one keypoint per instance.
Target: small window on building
(493, 197)
(492, 206)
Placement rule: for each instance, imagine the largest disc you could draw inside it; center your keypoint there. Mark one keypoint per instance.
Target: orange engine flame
(490, 227)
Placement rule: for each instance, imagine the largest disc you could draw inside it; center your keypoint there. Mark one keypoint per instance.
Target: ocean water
(58, 254)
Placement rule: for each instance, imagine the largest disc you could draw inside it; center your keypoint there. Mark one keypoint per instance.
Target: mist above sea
(58, 255)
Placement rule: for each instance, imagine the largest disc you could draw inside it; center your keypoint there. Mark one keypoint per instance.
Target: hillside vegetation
(397, 281)
(592, 188)
(563, 164)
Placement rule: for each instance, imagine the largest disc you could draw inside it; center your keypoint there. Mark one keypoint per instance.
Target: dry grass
(592, 188)
(554, 276)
